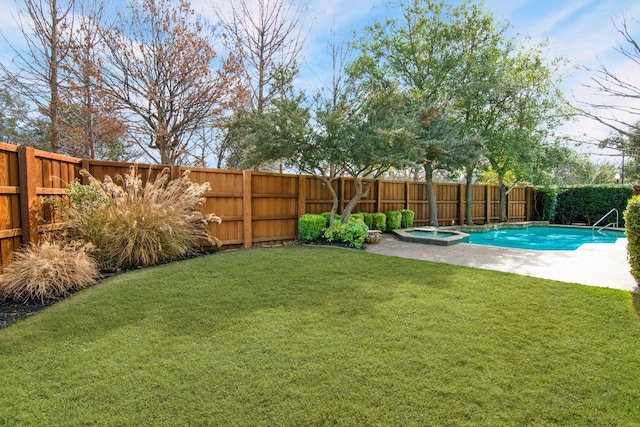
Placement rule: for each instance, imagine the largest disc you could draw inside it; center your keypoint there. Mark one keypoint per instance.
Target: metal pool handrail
(611, 223)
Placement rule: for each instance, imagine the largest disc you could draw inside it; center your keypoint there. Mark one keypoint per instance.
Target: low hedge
(588, 203)
(407, 218)
(394, 220)
(353, 232)
(368, 219)
(311, 226)
(378, 221)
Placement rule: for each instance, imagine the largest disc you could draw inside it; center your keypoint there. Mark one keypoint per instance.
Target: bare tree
(624, 95)
(158, 67)
(91, 126)
(36, 73)
(265, 34)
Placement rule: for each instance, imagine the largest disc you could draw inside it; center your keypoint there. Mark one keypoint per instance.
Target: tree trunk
(503, 199)
(469, 196)
(431, 195)
(53, 80)
(360, 194)
(334, 195)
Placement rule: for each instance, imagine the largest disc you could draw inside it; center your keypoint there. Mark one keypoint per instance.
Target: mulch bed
(10, 311)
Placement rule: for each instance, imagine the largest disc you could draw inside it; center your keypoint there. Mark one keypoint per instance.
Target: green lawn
(322, 336)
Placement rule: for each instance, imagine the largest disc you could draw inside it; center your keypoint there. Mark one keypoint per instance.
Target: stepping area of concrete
(592, 264)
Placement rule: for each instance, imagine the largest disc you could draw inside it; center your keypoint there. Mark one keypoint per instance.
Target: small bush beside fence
(311, 226)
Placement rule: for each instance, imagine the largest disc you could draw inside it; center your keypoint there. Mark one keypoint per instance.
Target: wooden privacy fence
(256, 208)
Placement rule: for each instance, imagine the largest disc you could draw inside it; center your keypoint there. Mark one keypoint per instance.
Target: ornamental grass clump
(51, 270)
(140, 224)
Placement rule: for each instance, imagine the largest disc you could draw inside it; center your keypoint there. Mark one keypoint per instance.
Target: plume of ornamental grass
(50, 270)
(140, 224)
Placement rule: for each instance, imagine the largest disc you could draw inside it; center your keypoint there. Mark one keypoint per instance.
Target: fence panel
(517, 204)
(10, 218)
(224, 200)
(478, 204)
(392, 195)
(53, 174)
(318, 196)
(418, 203)
(274, 207)
(447, 202)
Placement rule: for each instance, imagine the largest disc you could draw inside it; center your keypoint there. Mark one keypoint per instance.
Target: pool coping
(457, 237)
(593, 264)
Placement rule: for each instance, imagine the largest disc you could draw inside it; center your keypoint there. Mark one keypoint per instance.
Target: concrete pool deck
(593, 264)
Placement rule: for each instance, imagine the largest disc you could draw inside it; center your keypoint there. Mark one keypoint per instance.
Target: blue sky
(579, 30)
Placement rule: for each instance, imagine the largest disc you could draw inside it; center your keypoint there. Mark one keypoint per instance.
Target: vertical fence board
(10, 212)
(246, 209)
(29, 204)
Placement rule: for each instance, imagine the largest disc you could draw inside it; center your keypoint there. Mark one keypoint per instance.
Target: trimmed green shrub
(51, 270)
(136, 224)
(311, 226)
(327, 218)
(546, 203)
(407, 218)
(378, 221)
(356, 217)
(394, 220)
(368, 219)
(352, 233)
(632, 220)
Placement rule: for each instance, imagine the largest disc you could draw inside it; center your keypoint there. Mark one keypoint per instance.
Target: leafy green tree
(432, 50)
(283, 124)
(521, 109)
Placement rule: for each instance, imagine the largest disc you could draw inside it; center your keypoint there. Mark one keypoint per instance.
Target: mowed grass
(322, 336)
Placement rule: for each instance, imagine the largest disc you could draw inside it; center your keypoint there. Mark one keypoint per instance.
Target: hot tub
(431, 236)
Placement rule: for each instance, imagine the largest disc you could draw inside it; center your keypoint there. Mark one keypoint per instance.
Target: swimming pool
(545, 238)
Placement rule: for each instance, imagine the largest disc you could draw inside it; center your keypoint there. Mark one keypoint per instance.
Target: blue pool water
(545, 238)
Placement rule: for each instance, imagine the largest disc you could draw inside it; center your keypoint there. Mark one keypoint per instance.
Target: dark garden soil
(10, 311)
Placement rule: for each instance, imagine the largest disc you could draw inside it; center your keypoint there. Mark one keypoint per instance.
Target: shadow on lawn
(636, 300)
(212, 301)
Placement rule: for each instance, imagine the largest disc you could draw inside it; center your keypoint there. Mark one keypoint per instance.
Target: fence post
(84, 180)
(176, 172)
(247, 224)
(529, 204)
(341, 195)
(487, 202)
(29, 203)
(406, 194)
(302, 195)
(461, 210)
